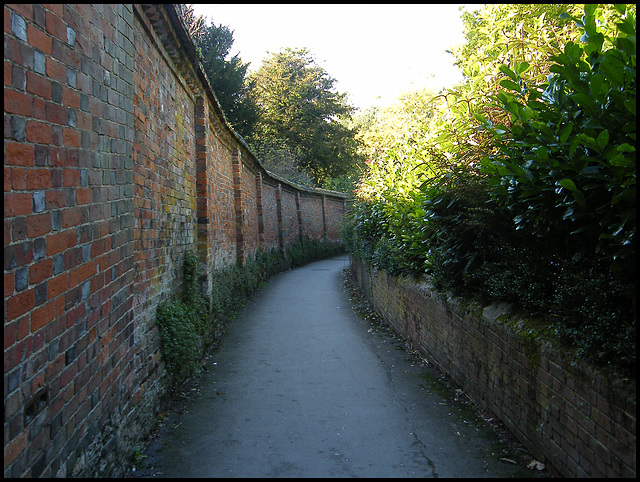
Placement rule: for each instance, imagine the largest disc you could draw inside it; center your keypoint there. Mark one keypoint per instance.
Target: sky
(374, 52)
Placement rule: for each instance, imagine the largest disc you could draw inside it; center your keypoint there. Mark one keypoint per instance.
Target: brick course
(579, 419)
(117, 161)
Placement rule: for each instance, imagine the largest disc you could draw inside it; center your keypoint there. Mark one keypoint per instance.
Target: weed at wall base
(189, 322)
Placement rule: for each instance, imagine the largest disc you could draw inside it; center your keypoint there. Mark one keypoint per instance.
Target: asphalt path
(301, 385)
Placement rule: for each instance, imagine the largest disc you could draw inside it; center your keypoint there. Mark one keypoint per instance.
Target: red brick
(38, 39)
(17, 204)
(38, 108)
(55, 199)
(18, 179)
(7, 178)
(68, 375)
(38, 85)
(10, 334)
(71, 138)
(56, 243)
(57, 285)
(57, 8)
(38, 132)
(23, 327)
(24, 9)
(56, 27)
(15, 448)
(55, 113)
(9, 285)
(42, 316)
(39, 179)
(17, 103)
(41, 271)
(19, 154)
(71, 217)
(38, 225)
(86, 271)
(7, 21)
(57, 71)
(70, 98)
(19, 304)
(71, 177)
(84, 196)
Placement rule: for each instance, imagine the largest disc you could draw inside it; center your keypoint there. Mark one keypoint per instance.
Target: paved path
(301, 387)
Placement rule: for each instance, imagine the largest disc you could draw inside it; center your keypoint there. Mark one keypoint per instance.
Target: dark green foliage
(301, 111)
(183, 322)
(567, 167)
(305, 250)
(228, 77)
(390, 235)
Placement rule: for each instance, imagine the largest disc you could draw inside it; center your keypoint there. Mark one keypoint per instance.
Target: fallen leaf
(534, 464)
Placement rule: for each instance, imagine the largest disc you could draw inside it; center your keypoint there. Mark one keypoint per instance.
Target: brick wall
(311, 212)
(580, 420)
(117, 160)
(271, 212)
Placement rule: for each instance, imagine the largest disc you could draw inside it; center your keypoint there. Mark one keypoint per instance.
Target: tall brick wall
(270, 212)
(580, 420)
(117, 160)
(311, 210)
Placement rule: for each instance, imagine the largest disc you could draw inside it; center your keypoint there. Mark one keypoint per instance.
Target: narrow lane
(299, 386)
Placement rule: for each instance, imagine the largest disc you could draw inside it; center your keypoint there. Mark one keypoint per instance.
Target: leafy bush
(183, 321)
(546, 219)
(567, 165)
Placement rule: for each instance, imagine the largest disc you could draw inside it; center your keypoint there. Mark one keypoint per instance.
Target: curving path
(299, 386)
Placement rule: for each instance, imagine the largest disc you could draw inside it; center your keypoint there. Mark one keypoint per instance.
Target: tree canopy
(227, 75)
(300, 108)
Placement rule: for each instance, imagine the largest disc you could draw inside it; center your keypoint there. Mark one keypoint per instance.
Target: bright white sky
(375, 52)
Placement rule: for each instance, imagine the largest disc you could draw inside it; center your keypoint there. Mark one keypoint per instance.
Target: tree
(300, 108)
(228, 76)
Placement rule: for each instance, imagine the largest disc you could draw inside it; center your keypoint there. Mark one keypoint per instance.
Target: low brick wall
(570, 415)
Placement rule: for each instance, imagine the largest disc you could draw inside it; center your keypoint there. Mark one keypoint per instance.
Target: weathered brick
(57, 71)
(58, 242)
(38, 225)
(17, 204)
(38, 132)
(571, 432)
(109, 169)
(38, 39)
(38, 85)
(20, 303)
(58, 285)
(55, 26)
(42, 316)
(41, 271)
(19, 154)
(84, 195)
